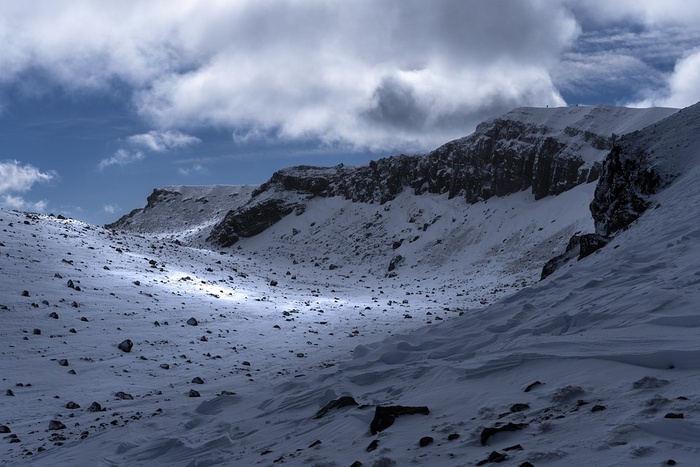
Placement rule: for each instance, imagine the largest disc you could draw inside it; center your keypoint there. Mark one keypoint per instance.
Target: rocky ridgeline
(503, 156)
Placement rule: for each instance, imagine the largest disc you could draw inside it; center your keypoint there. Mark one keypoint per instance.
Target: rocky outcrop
(503, 156)
(250, 221)
(579, 247)
(626, 183)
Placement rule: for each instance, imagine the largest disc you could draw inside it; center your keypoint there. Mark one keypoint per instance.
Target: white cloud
(647, 12)
(20, 204)
(682, 88)
(160, 141)
(197, 169)
(15, 177)
(381, 74)
(338, 71)
(111, 208)
(121, 157)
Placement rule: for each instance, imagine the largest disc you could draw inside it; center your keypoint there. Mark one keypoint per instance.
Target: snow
(616, 332)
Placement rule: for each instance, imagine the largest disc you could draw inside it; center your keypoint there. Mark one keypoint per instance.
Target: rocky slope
(546, 151)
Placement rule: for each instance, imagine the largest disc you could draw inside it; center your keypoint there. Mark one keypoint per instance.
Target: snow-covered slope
(185, 212)
(611, 339)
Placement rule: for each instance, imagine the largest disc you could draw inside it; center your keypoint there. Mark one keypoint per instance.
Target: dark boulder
(56, 425)
(384, 416)
(126, 345)
(95, 407)
(488, 432)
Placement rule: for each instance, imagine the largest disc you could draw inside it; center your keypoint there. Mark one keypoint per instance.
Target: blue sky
(100, 102)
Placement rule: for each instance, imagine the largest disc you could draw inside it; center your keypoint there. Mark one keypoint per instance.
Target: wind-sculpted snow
(595, 365)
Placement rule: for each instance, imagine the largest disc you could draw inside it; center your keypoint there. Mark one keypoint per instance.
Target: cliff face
(503, 156)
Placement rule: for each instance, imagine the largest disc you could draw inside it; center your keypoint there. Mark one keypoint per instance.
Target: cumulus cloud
(683, 88)
(16, 177)
(121, 157)
(339, 71)
(20, 204)
(160, 141)
(378, 74)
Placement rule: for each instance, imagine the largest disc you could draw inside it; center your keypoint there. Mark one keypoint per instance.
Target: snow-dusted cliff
(545, 151)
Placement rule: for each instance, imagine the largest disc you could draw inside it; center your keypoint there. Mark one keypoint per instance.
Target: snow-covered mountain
(427, 299)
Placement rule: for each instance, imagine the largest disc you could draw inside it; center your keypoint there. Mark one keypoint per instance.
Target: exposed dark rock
(56, 425)
(503, 156)
(519, 407)
(579, 247)
(192, 322)
(486, 433)
(53, 315)
(453, 436)
(72, 405)
(425, 441)
(250, 220)
(384, 416)
(124, 396)
(515, 447)
(395, 261)
(197, 380)
(627, 181)
(343, 401)
(126, 345)
(63, 362)
(25, 293)
(5, 429)
(356, 464)
(9, 393)
(193, 393)
(674, 415)
(36, 332)
(95, 407)
(315, 443)
(373, 445)
(598, 408)
(649, 382)
(526, 464)
(165, 366)
(494, 457)
(532, 386)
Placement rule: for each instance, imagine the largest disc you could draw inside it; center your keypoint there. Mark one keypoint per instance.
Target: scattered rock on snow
(95, 407)
(372, 446)
(56, 425)
(384, 416)
(192, 322)
(494, 457)
(126, 345)
(649, 382)
(486, 433)
(425, 441)
(532, 386)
